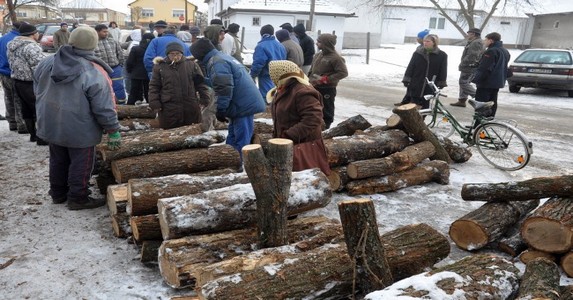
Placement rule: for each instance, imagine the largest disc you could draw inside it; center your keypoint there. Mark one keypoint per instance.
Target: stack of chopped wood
(136, 117)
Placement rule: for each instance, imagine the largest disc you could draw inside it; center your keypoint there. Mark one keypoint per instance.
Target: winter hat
(267, 29)
(63, 23)
(287, 26)
(173, 46)
(282, 35)
(135, 35)
(423, 33)
(477, 31)
(299, 28)
(201, 47)
(27, 29)
(234, 28)
(195, 30)
(172, 29)
(17, 24)
(160, 24)
(216, 21)
(84, 38)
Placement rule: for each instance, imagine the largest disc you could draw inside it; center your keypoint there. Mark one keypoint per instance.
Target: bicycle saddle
(480, 105)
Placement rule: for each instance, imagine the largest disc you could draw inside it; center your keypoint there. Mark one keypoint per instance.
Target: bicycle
(500, 143)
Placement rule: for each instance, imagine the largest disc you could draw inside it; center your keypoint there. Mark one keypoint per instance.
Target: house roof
(188, 1)
(83, 4)
(322, 7)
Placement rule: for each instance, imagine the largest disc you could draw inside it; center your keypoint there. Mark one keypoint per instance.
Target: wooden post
(358, 218)
(270, 177)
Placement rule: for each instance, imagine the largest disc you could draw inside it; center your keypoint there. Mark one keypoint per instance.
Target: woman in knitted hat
(296, 109)
(173, 88)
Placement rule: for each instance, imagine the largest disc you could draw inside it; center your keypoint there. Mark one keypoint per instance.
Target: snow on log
(549, 228)
(347, 127)
(134, 111)
(139, 124)
(459, 153)
(540, 281)
(535, 188)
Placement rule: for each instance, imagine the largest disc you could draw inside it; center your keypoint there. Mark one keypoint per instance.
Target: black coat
(134, 64)
(424, 65)
(492, 70)
(307, 45)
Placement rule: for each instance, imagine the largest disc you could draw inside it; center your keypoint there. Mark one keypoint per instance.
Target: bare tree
(13, 5)
(136, 14)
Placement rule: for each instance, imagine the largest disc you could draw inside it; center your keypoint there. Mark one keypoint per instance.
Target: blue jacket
(4, 65)
(237, 95)
(491, 72)
(267, 49)
(157, 47)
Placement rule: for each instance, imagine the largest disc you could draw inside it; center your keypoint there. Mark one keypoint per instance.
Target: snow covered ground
(62, 254)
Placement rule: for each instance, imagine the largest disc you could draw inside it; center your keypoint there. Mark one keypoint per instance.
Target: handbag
(310, 155)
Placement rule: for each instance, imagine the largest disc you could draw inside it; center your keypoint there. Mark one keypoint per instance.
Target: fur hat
(267, 29)
(423, 33)
(234, 28)
(84, 38)
(173, 46)
(160, 24)
(201, 47)
(282, 35)
(27, 29)
(477, 31)
(195, 30)
(287, 26)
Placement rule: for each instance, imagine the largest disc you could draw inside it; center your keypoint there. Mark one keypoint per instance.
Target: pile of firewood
(136, 117)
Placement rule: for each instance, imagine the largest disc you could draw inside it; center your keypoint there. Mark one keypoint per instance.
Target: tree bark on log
(365, 247)
(134, 112)
(394, 163)
(188, 161)
(457, 152)
(338, 178)
(476, 277)
(540, 280)
(120, 225)
(566, 263)
(535, 188)
(347, 127)
(162, 141)
(139, 124)
(531, 254)
(144, 193)
(181, 261)
(511, 241)
(262, 139)
(117, 198)
(234, 207)
(415, 126)
(145, 228)
(488, 223)
(343, 150)
(150, 250)
(549, 228)
(270, 177)
(263, 126)
(566, 292)
(432, 171)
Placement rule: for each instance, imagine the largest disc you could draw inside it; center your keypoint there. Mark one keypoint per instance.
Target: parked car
(542, 68)
(43, 26)
(47, 40)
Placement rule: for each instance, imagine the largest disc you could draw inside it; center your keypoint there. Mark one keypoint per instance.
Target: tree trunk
(488, 223)
(535, 188)
(120, 225)
(175, 162)
(343, 150)
(540, 280)
(415, 126)
(476, 277)
(394, 163)
(435, 171)
(549, 228)
(181, 261)
(347, 127)
(270, 177)
(365, 247)
(149, 250)
(143, 193)
(139, 124)
(134, 112)
(566, 263)
(531, 254)
(457, 152)
(117, 198)
(145, 228)
(162, 141)
(234, 207)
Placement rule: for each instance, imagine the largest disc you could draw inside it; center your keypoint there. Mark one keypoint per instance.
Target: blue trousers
(70, 172)
(117, 83)
(240, 132)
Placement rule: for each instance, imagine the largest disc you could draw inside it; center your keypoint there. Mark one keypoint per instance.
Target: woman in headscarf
(297, 115)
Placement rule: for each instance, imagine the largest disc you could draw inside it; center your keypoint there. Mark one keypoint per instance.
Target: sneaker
(89, 203)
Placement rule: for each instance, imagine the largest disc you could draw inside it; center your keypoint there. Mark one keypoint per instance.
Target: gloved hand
(441, 84)
(221, 116)
(406, 83)
(114, 140)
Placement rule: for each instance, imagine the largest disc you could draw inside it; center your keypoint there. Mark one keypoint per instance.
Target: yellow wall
(163, 10)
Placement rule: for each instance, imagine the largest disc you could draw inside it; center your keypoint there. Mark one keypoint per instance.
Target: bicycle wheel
(440, 126)
(502, 146)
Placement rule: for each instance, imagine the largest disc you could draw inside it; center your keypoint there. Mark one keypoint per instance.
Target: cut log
(473, 277)
(161, 141)
(134, 112)
(262, 139)
(139, 124)
(175, 162)
(394, 163)
(540, 280)
(549, 228)
(458, 153)
(374, 130)
(120, 225)
(145, 228)
(270, 177)
(181, 260)
(234, 207)
(394, 122)
(365, 248)
(535, 188)
(150, 250)
(566, 263)
(263, 126)
(432, 171)
(415, 126)
(338, 178)
(343, 150)
(566, 292)
(144, 193)
(347, 127)
(117, 198)
(488, 223)
(531, 254)
(511, 241)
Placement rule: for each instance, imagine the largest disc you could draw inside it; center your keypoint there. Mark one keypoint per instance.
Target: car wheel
(570, 93)
(514, 89)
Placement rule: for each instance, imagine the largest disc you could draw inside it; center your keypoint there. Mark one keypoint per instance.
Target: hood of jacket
(68, 63)
(212, 33)
(328, 42)
(19, 42)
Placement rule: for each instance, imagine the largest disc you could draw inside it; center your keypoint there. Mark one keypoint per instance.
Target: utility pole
(186, 14)
(311, 15)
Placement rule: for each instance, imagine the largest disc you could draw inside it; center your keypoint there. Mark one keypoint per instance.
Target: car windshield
(544, 57)
(51, 29)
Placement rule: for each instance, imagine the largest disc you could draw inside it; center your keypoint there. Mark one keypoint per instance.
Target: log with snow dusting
(535, 188)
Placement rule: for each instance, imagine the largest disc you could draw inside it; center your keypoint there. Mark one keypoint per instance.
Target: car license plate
(543, 71)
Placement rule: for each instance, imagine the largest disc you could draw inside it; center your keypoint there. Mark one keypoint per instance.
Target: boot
(31, 127)
(461, 102)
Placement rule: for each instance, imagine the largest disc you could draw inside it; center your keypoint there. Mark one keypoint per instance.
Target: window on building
(176, 13)
(437, 23)
(505, 23)
(556, 24)
(256, 21)
(303, 22)
(22, 14)
(147, 12)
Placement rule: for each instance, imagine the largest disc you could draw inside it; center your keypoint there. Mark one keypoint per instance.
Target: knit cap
(267, 29)
(282, 35)
(84, 38)
(195, 30)
(234, 28)
(161, 24)
(201, 47)
(423, 33)
(27, 29)
(174, 46)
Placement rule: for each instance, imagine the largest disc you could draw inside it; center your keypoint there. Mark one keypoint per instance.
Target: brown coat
(173, 92)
